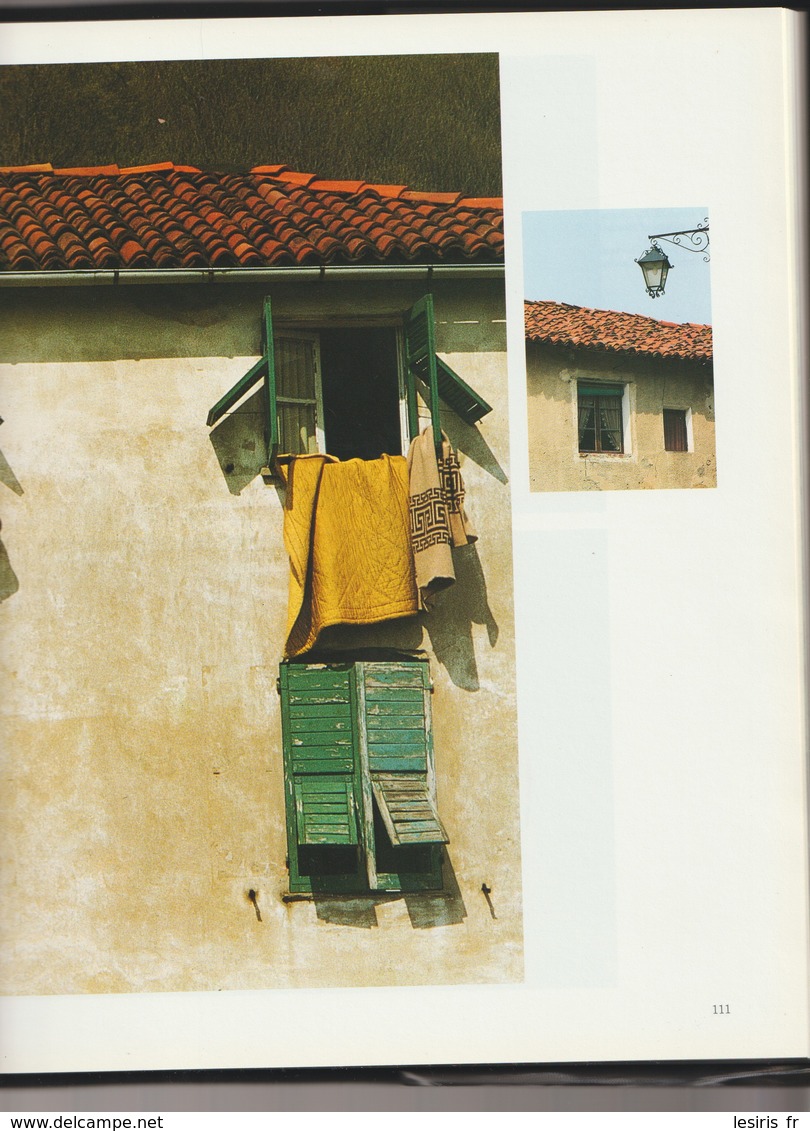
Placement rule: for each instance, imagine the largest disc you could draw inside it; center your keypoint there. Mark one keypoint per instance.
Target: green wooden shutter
(321, 772)
(396, 749)
(441, 381)
(264, 368)
(271, 412)
(420, 352)
(359, 781)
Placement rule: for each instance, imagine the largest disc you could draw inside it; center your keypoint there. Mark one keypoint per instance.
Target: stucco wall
(555, 463)
(142, 621)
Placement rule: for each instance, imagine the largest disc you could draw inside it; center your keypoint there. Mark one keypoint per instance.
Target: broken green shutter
(441, 381)
(264, 368)
(358, 770)
(396, 747)
(322, 788)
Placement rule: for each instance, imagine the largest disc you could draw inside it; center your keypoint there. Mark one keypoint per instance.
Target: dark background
(429, 121)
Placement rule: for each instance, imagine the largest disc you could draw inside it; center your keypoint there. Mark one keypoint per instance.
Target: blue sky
(588, 258)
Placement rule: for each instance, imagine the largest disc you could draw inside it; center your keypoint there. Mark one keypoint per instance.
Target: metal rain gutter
(123, 276)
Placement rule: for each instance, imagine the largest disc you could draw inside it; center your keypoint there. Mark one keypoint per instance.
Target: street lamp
(655, 268)
(654, 263)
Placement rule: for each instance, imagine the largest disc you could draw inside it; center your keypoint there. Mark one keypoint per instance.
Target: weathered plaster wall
(555, 463)
(141, 734)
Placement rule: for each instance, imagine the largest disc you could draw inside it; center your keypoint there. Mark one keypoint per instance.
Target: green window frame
(359, 779)
(600, 418)
(422, 367)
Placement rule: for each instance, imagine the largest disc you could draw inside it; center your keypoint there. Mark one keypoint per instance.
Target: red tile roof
(557, 323)
(168, 216)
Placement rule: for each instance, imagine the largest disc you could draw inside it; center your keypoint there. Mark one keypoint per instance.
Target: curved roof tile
(167, 215)
(558, 323)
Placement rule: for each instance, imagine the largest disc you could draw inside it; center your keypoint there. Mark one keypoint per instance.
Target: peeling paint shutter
(358, 766)
(399, 748)
(320, 756)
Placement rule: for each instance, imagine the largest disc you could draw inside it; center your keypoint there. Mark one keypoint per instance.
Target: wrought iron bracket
(697, 242)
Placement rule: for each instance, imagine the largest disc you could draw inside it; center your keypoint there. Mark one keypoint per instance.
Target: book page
(656, 881)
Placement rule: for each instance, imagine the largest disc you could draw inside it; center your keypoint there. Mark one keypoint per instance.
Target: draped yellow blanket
(347, 532)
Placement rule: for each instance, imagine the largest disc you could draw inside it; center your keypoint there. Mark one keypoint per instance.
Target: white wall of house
(651, 385)
(143, 789)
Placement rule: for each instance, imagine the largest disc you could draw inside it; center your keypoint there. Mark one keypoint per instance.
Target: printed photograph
(258, 673)
(619, 349)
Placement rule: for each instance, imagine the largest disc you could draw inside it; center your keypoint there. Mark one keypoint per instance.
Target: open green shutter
(420, 351)
(271, 413)
(399, 750)
(441, 381)
(264, 368)
(455, 392)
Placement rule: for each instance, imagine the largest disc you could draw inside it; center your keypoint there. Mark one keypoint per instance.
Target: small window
(676, 432)
(600, 423)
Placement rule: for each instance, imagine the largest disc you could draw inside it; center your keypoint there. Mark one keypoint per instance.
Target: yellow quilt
(346, 529)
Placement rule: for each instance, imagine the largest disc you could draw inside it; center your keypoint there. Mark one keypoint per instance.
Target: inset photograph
(258, 675)
(619, 359)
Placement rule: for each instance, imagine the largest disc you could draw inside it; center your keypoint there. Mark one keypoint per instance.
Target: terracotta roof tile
(167, 215)
(293, 178)
(388, 190)
(433, 197)
(557, 323)
(26, 168)
(89, 171)
(351, 187)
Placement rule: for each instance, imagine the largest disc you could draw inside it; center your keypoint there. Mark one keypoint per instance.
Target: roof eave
(598, 347)
(145, 276)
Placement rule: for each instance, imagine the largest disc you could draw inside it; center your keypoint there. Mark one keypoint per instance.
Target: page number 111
(717, 1009)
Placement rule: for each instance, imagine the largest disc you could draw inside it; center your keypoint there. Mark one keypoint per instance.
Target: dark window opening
(398, 859)
(360, 383)
(327, 859)
(676, 438)
(600, 424)
(347, 391)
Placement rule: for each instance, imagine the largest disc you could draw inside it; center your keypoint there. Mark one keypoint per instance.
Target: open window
(359, 777)
(351, 391)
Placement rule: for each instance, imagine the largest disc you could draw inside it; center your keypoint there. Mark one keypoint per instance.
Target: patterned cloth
(438, 518)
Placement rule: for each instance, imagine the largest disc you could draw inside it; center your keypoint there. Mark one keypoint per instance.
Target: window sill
(607, 457)
(379, 895)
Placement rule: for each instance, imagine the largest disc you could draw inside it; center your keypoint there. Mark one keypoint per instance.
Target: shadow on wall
(466, 439)
(425, 908)
(9, 582)
(238, 442)
(8, 477)
(450, 624)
